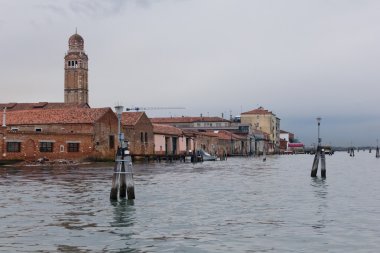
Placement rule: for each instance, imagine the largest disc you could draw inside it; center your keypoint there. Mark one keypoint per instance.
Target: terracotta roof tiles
(226, 135)
(40, 105)
(166, 129)
(130, 118)
(55, 116)
(258, 111)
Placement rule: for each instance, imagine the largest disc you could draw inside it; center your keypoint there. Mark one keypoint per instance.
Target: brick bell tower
(76, 71)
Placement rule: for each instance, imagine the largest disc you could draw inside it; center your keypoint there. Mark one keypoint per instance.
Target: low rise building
(201, 123)
(265, 121)
(138, 131)
(74, 133)
(169, 140)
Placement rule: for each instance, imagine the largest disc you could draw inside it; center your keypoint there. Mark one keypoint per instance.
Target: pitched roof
(226, 135)
(166, 129)
(40, 105)
(55, 116)
(130, 118)
(258, 111)
(169, 120)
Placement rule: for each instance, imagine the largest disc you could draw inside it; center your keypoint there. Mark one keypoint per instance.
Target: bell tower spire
(76, 71)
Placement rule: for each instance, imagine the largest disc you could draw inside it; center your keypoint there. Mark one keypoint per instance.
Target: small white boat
(206, 156)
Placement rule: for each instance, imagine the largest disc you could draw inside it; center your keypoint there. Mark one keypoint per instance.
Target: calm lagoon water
(238, 205)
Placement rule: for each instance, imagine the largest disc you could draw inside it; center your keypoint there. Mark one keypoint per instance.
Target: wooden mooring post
(352, 152)
(319, 155)
(122, 179)
(377, 152)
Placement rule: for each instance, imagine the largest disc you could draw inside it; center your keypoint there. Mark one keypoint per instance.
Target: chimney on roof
(201, 115)
(4, 117)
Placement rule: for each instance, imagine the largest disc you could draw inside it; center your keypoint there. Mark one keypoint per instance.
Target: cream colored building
(267, 122)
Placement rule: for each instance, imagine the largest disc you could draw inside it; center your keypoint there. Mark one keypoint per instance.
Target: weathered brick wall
(133, 135)
(208, 143)
(102, 131)
(30, 145)
(56, 128)
(93, 139)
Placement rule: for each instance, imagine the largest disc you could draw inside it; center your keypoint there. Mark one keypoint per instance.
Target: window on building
(46, 146)
(14, 129)
(72, 147)
(38, 129)
(13, 146)
(61, 148)
(142, 137)
(146, 137)
(111, 142)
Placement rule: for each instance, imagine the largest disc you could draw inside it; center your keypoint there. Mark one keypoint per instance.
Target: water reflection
(239, 205)
(124, 216)
(320, 187)
(123, 213)
(320, 190)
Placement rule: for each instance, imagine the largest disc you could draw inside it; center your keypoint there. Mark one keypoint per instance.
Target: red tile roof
(226, 135)
(187, 120)
(130, 118)
(220, 134)
(258, 111)
(55, 116)
(166, 129)
(40, 105)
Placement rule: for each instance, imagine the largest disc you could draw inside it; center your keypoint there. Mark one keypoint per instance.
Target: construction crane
(138, 108)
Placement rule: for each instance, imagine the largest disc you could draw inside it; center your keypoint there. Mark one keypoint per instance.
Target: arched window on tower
(72, 64)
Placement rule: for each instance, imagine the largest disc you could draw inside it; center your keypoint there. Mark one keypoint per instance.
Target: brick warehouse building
(73, 133)
(138, 131)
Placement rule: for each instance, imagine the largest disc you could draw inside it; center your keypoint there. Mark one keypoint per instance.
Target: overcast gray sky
(298, 58)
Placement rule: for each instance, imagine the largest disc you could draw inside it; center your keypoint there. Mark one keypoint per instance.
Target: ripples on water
(239, 205)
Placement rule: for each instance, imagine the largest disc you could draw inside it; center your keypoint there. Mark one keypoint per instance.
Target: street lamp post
(119, 111)
(319, 124)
